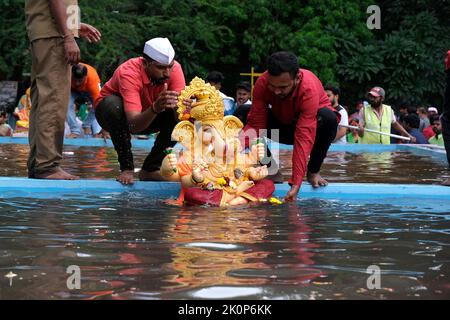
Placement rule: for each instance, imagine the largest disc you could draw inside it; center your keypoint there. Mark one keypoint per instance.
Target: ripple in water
(144, 249)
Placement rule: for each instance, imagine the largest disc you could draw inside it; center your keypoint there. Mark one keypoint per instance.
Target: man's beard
(160, 80)
(437, 131)
(375, 104)
(283, 96)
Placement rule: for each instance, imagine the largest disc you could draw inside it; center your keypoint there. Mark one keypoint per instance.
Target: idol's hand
(197, 175)
(258, 173)
(258, 151)
(199, 168)
(172, 158)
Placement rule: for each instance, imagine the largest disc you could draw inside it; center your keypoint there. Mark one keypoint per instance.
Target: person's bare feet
(316, 180)
(126, 177)
(150, 175)
(446, 183)
(60, 174)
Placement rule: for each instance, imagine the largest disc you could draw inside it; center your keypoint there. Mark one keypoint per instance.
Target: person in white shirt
(215, 78)
(333, 93)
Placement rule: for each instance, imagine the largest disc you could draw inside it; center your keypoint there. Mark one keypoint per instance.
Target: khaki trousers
(50, 92)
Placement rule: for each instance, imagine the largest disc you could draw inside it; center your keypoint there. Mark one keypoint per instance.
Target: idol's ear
(232, 126)
(184, 133)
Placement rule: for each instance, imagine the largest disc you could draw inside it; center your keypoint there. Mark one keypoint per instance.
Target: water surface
(385, 167)
(134, 246)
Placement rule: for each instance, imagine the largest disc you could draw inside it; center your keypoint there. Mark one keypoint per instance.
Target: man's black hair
(412, 119)
(215, 77)
(146, 57)
(283, 61)
(244, 85)
(412, 109)
(434, 117)
(79, 71)
(335, 89)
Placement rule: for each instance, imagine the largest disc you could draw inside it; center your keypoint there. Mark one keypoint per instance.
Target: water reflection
(219, 248)
(385, 167)
(133, 246)
(200, 256)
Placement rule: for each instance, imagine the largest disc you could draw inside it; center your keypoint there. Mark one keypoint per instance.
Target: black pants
(111, 117)
(326, 132)
(445, 118)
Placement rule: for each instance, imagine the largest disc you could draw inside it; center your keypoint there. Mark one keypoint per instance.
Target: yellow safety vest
(371, 121)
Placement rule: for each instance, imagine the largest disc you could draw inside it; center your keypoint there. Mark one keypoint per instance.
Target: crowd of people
(81, 121)
(66, 99)
(422, 125)
(418, 125)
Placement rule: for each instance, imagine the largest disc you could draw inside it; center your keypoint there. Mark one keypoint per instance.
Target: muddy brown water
(131, 245)
(385, 167)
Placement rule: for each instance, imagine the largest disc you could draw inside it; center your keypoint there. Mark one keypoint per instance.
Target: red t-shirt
(131, 82)
(299, 109)
(428, 132)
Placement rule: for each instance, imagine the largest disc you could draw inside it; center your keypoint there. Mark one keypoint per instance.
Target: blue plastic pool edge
(24, 187)
(84, 142)
(148, 144)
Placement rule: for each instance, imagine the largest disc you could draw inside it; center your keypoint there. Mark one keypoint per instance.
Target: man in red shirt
(294, 101)
(141, 97)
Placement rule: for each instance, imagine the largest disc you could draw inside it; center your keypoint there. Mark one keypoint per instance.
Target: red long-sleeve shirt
(300, 108)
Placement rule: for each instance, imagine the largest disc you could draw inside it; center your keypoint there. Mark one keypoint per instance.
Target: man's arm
(305, 133)
(59, 12)
(397, 126)
(138, 121)
(257, 116)
(361, 122)
(342, 131)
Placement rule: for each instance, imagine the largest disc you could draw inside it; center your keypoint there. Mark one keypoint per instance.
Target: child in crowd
(5, 129)
(352, 136)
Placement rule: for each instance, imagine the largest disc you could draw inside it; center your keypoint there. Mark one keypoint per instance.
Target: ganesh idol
(211, 168)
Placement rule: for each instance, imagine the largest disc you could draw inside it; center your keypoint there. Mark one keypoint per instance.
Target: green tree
(330, 38)
(14, 47)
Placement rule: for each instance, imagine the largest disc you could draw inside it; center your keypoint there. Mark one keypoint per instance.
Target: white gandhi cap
(160, 49)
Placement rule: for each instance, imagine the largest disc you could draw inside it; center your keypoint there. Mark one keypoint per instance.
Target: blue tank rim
(19, 187)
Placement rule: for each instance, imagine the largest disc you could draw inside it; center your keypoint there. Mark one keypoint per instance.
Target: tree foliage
(330, 37)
